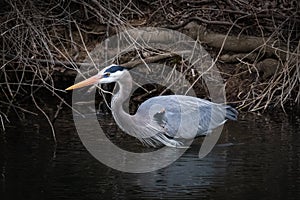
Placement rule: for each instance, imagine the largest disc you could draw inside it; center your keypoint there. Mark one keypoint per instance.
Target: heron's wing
(184, 116)
(160, 117)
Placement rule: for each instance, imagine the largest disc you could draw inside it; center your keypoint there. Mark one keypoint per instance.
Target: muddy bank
(255, 46)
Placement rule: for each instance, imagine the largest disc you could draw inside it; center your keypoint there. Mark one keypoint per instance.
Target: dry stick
(46, 116)
(2, 115)
(43, 112)
(232, 5)
(10, 105)
(7, 83)
(19, 84)
(152, 59)
(83, 43)
(202, 20)
(18, 107)
(46, 61)
(59, 107)
(40, 72)
(135, 43)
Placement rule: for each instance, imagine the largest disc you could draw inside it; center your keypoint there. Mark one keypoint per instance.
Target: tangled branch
(45, 40)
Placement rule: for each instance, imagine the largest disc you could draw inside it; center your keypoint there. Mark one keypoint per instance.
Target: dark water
(263, 163)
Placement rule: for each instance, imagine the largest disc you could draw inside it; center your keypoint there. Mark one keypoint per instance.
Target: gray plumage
(164, 120)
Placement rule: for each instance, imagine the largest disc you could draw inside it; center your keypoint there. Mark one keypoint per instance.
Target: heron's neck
(122, 118)
(133, 125)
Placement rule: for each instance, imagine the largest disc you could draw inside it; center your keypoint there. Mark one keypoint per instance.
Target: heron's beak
(90, 81)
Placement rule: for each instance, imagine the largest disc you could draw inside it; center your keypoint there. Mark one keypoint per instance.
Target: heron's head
(109, 74)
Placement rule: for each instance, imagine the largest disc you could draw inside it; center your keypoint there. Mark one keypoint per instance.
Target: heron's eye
(107, 74)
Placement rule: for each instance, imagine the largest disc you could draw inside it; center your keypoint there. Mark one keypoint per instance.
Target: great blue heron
(162, 119)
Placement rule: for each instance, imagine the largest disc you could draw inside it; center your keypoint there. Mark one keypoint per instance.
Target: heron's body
(186, 111)
(163, 119)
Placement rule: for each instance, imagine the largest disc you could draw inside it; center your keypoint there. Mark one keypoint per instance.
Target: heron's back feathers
(182, 117)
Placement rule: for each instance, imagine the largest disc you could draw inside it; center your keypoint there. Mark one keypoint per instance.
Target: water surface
(256, 157)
